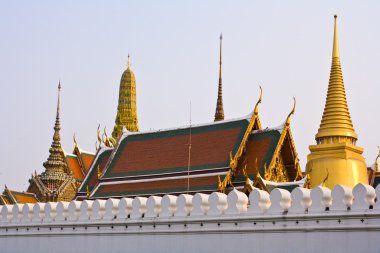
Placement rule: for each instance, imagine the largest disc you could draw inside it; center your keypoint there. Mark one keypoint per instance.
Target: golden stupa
(126, 110)
(336, 159)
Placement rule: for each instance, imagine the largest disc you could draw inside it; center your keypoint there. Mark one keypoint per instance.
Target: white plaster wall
(319, 220)
(333, 241)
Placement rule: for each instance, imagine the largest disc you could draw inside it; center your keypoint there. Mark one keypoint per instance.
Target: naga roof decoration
(373, 171)
(254, 124)
(269, 153)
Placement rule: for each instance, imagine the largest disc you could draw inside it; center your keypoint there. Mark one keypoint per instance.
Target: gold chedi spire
(336, 120)
(126, 109)
(336, 159)
(55, 165)
(219, 112)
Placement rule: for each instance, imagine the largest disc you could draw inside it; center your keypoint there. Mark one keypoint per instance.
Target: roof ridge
(127, 133)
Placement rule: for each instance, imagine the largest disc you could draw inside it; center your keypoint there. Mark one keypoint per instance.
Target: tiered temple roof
(192, 159)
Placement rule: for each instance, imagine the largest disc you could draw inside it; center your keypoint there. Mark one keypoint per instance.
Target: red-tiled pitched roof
(159, 160)
(168, 151)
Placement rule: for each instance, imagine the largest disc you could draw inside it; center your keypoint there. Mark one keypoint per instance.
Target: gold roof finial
(75, 140)
(292, 112)
(376, 167)
(256, 110)
(98, 135)
(107, 141)
(336, 119)
(219, 112)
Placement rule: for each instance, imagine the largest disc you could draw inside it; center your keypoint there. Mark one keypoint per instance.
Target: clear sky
(284, 46)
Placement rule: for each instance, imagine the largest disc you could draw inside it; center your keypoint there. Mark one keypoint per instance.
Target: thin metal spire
(57, 125)
(219, 113)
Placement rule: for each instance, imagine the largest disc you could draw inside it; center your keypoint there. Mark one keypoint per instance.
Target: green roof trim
(154, 191)
(86, 154)
(167, 170)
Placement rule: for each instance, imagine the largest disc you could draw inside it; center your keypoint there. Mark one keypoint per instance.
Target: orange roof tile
(24, 197)
(74, 166)
(87, 159)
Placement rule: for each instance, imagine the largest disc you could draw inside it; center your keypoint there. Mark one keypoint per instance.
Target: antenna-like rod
(189, 161)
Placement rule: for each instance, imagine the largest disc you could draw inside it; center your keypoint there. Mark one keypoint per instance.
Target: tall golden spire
(336, 159)
(55, 165)
(126, 109)
(219, 113)
(336, 120)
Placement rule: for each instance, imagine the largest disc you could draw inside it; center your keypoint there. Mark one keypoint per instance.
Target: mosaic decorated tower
(57, 182)
(336, 159)
(126, 109)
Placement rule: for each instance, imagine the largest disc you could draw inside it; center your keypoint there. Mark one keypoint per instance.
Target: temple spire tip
(336, 42)
(129, 61)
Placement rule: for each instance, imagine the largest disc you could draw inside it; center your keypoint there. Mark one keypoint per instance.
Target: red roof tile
(168, 151)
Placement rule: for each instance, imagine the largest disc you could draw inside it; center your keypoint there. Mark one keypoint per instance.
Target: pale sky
(284, 46)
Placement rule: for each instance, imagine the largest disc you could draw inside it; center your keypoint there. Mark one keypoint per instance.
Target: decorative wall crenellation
(300, 202)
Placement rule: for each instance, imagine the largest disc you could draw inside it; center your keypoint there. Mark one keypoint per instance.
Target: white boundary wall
(342, 220)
